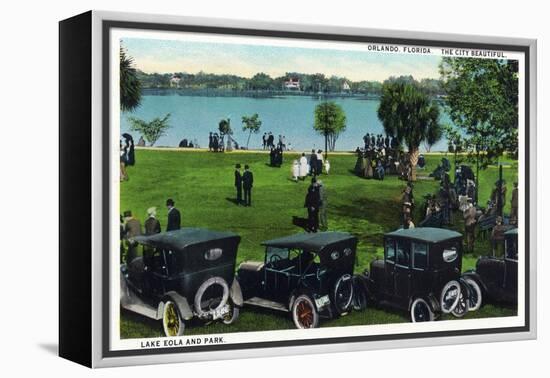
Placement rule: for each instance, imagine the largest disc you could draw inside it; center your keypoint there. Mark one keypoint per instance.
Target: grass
(201, 184)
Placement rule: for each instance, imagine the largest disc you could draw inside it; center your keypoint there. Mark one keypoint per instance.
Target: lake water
(193, 117)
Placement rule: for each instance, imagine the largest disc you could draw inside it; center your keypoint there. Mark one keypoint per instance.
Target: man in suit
(323, 223)
(312, 204)
(239, 184)
(132, 228)
(515, 203)
(248, 181)
(174, 217)
(313, 163)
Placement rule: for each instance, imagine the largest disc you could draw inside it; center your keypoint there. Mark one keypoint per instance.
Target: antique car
(420, 273)
(308, 274)
(498, 276)
(183, 274)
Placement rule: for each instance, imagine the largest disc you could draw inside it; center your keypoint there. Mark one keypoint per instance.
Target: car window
(403, 253)
(390, 251)
(274, 254)
(420, 255)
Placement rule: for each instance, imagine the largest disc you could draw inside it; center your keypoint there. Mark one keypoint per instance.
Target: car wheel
(461, 308)
(172, 321)
(450, 295)
(304, 313)
(359, 301)
(343, 294)
(232, 315)
(475, 294)
(421, 311)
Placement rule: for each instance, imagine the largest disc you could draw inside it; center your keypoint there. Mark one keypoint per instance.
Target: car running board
(266, 303)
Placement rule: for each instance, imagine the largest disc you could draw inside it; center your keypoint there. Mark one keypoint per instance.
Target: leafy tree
(408, 114)
(224, 127)
(330, 121)
(130, 86)
(434, 133)
(482, 98)
(252, 125)
(151, 131)
(261, 81)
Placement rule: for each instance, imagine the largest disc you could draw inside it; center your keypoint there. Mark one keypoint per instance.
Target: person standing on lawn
(132, 228)
(152, 224)
(248, 181)
(174, 216)
(514, 212)
(312, 203)
(313, 163)
(239, 184)
(470, 225)
(323, 222)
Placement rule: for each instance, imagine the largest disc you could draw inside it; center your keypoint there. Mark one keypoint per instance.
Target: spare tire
(216, 298)
(450, 295)
(343, 294)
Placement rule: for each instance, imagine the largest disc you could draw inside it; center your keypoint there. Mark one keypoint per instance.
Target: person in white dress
(304, 167)
(295, 170)
(327, 166)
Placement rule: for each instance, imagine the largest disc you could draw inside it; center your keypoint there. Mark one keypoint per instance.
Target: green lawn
(201, 184)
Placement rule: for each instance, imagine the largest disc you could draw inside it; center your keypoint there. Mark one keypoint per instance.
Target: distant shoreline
(188, 149)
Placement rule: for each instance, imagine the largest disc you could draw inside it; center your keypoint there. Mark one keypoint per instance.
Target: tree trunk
(248, 140)
(326, 146)
(414, 153)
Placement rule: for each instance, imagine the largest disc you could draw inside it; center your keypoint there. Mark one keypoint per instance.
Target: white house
(292, 83)
(175, 81)
(346, 87)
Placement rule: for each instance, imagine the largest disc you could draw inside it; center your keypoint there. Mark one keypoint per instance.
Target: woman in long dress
(295, 170)
(304, 167)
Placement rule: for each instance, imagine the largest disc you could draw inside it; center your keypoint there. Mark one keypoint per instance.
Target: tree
(224, 127)
(330, 121)
(151, 131)
(261, 81)
(482, 98)
(408, 114)
(130, 86)
(252, 125)
(434, 134)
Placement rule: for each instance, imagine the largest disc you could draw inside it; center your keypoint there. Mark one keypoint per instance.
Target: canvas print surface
(275, 189)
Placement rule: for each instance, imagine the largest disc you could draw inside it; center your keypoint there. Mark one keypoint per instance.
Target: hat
(127, 214)
(169, 202)
(238, 166)
(152, 211)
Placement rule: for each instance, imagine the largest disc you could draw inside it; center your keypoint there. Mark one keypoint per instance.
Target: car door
(276, 275)
(511, 268)
(402, 273)
(388, 286)
(420, 284)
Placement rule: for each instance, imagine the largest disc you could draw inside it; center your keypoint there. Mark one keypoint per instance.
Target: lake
(193, 117)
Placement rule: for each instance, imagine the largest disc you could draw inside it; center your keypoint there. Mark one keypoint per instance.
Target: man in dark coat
(312, 204)
(174, 217)
(248, 181)
(313, 163)
(239, 184)
(132, 228)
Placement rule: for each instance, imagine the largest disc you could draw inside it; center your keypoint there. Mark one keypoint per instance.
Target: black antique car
(308, 275)
(498, 276)
(183, 274)
(420, 273)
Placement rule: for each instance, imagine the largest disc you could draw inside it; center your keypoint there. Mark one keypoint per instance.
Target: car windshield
(273, 254)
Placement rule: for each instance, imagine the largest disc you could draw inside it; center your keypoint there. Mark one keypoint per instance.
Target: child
(295, 170)
(327, 166)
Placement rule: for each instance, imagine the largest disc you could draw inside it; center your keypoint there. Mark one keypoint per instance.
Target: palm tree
(130, 86)
(408, 114)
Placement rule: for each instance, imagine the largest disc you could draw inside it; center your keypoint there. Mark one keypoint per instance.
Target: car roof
(513, 231)
(314, 242)
(179, 239)
(427, 234)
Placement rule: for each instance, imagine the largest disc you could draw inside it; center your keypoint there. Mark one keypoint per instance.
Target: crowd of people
(381, 156)
(268, 142)
(313, 164)
(130, 227)
(215, 143)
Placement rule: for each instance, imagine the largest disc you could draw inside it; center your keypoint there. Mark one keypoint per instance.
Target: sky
(247, 59)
